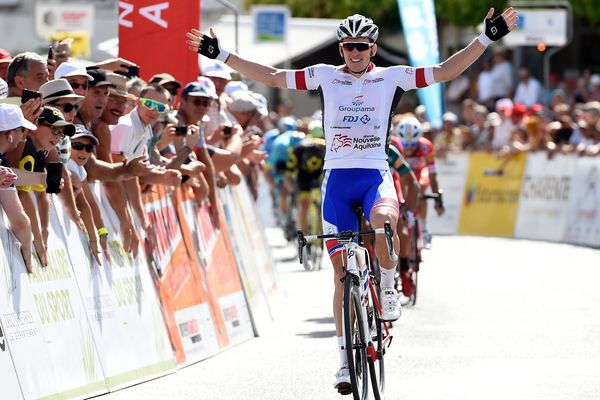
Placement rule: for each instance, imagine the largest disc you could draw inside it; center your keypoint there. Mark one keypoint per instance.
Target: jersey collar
(369, 68)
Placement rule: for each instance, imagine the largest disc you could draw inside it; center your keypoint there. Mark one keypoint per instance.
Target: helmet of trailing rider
(410, 131)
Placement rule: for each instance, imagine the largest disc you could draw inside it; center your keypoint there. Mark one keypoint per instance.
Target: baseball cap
(450, 117)
(262, 101)
(595, 80)
(504, 106)
(98, 77)
(200, 89)
(82, 132)
(71, 69)
(119, 83)
(5, 56)
(216, 69)
(57, 89)
(243, 101)
(52, 116)
(164, 78)
(11, 117)
(234, 86)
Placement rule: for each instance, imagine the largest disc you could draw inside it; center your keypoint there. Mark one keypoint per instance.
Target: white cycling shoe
(342, 381)
(390, 304)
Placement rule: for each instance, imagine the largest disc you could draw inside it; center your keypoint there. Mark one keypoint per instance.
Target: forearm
(96, 213)
(27, 178)
(118, 201)
(134, 195)
(106, 172)
(66, 194)
(87, 217)
(434, 183)
(264, 74)
(458, 62)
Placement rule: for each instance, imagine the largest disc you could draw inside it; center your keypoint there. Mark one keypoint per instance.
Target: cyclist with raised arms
(358, 100)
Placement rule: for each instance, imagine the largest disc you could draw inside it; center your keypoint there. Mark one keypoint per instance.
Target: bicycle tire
(377, 368)
(355, 334)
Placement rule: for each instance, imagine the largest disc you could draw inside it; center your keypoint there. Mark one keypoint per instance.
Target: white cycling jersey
(357, 112)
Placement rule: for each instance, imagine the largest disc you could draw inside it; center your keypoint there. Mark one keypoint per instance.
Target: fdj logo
(2, 340)
(355, 118)
(358, 100)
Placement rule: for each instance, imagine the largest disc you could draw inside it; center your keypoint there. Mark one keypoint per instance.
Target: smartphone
(227, 131)
(28, 95)
(133, 71)
(53, 176)
(181, 130)
(50, 53)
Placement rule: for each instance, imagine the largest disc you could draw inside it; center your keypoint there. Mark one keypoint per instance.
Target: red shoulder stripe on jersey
(300, 80)
(420, 76)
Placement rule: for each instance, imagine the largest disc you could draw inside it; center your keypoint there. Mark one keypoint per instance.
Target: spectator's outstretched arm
(494, 29)
(210, 47)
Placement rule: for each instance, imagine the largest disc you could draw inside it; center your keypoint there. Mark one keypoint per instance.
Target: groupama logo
(358, 100)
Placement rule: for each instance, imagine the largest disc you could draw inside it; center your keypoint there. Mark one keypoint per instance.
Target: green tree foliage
(589, 9)
(467, 12)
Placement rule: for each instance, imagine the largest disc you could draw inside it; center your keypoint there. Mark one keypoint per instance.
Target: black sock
(403, 263)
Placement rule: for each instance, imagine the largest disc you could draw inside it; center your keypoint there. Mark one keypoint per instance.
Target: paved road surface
(495, 319)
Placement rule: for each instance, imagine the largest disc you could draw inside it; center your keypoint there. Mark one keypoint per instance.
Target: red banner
(152, 34)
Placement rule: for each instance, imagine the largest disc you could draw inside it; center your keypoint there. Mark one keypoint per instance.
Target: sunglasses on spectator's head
(154, 105)
(200, 101)
(360, 46)
(80, 146)
(76, 85)
(68, 107)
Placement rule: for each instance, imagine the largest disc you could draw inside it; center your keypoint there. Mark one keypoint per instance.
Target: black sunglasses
(76, 85)
(80, 146)
(68, 107)
(360, 46)
(201, 102)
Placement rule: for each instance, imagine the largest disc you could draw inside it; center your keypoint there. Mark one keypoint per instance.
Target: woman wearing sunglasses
(358, 100)
(83, 144)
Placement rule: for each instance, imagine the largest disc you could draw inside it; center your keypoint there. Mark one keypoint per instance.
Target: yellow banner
(491, 197)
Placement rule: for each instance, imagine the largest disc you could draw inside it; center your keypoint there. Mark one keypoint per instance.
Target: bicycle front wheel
(377, 367)
(355, 333)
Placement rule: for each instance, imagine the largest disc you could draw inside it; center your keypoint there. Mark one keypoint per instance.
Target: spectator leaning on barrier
(26, 71)
(33, 155)
(168, 82)
(76, 75)
(83, 144)
(13, 127)
(196, 99)
(220, 75)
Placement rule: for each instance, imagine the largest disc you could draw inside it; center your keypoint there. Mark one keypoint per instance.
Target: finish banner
(420, 33)
(152, 34)
(491, 197)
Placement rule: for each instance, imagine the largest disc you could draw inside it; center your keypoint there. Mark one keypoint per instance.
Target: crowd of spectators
(493, 111)
(64, 126)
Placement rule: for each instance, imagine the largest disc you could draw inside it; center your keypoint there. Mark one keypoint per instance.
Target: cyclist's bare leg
(338, 294)
(379, 216)
(283, 199)
(403, 236)
(303, 200)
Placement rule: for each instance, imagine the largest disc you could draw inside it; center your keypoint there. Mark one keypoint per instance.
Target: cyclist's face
(356, 57)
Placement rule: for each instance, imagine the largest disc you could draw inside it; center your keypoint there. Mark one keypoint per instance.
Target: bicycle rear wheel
(377, 367)
(355, 337)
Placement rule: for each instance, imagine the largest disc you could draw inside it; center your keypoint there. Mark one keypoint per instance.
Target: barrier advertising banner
(182, 288)
(10, 383)
(219, 271)
(491, 199)
(121, 304)
(451, 176)
(583, 211)
(51, 343)
(544, 197)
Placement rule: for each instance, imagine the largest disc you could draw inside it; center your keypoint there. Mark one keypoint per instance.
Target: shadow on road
(318, 334)
(325, 320)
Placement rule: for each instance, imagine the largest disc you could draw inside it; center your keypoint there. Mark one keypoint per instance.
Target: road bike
(365, 333)
(415, 246)
(314, 249)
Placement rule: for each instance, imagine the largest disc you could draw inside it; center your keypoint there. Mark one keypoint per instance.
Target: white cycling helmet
(356, 26)
(409, 130)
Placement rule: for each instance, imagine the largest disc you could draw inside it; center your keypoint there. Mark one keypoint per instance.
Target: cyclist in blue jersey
(358, 101)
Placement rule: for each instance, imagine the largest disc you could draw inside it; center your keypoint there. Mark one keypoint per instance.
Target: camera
(227, 130)
(181, 130)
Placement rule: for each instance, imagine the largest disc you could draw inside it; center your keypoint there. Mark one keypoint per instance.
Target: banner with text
(152, 34)
(451, 175)
(491, 196)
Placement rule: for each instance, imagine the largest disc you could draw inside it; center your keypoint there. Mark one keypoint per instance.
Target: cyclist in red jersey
(419, 153)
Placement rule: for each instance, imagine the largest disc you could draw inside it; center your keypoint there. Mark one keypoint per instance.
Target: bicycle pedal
(344, 389)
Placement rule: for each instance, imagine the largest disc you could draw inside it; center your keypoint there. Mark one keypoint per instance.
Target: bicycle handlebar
(347, 236)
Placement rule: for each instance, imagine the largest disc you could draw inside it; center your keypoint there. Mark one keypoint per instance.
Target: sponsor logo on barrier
(550, 188)
(484, 195)
(231, 314)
